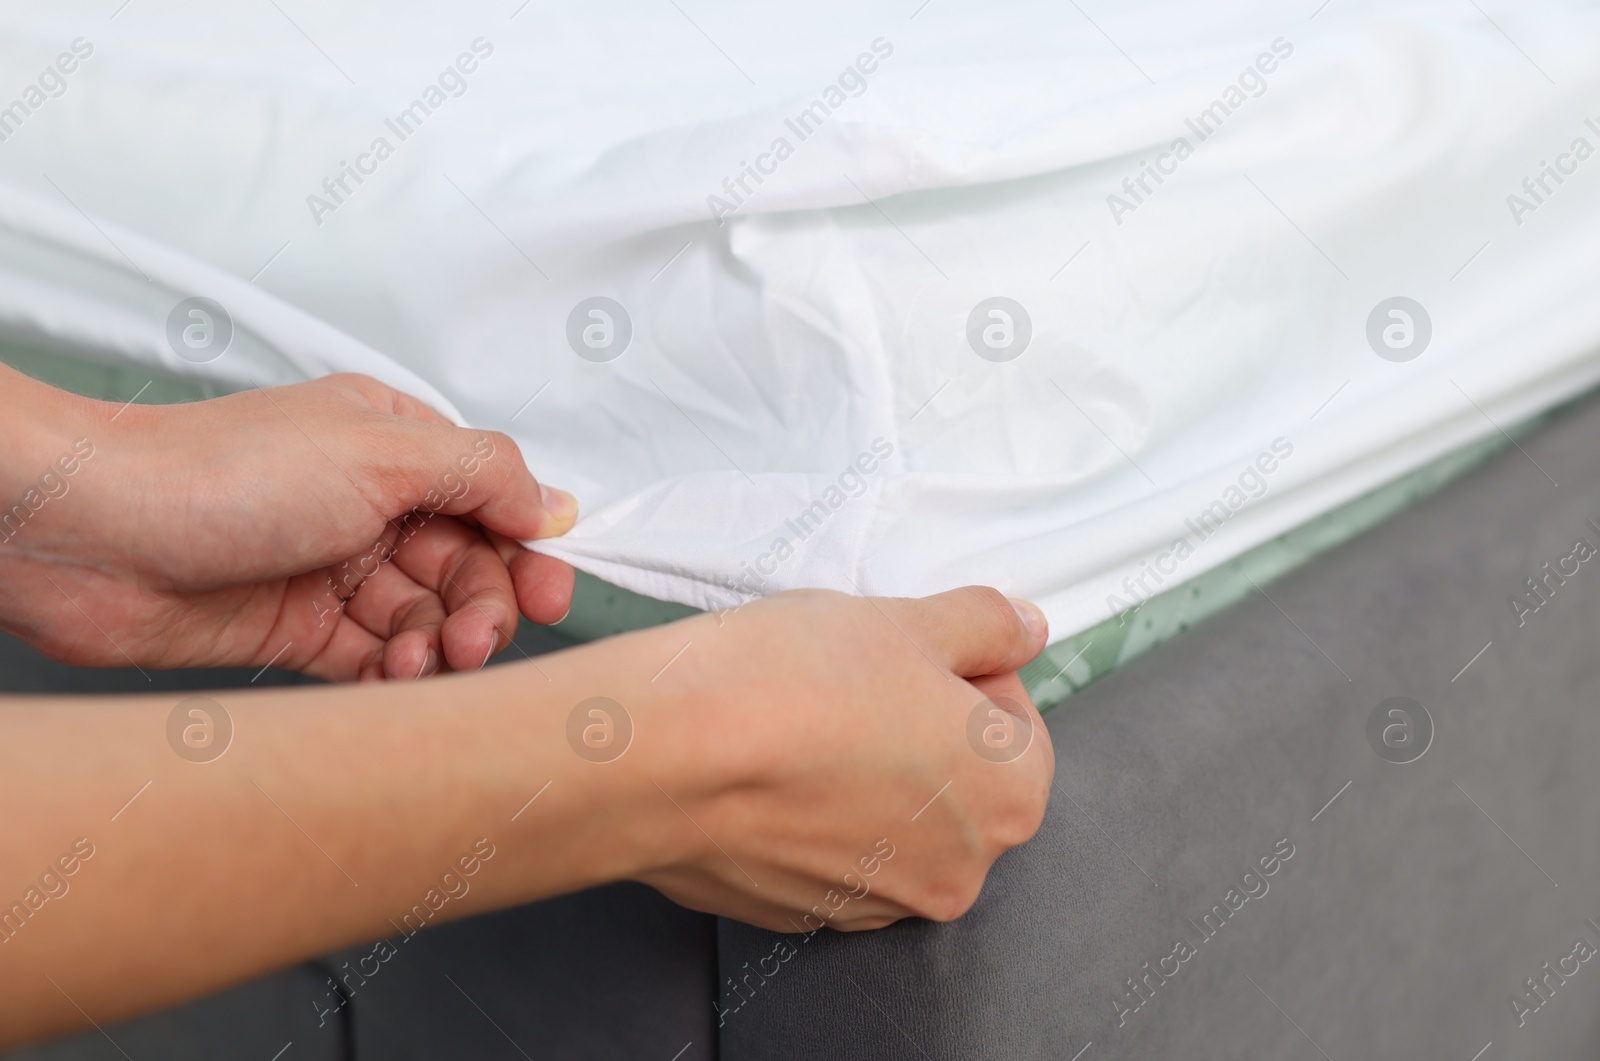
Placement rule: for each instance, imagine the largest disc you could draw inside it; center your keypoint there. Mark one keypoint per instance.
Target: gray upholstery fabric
(1413, 907)
(617, 972)
(255, 1021)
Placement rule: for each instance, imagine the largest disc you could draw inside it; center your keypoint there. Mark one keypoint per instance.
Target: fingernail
(1033, 619)
(561, 508)
(430, 664)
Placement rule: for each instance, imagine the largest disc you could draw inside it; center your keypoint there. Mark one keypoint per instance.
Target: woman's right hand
(817, 758)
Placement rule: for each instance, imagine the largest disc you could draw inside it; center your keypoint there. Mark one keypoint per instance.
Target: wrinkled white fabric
(799, 403)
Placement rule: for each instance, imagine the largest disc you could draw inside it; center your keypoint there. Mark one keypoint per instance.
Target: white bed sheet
(804, 348)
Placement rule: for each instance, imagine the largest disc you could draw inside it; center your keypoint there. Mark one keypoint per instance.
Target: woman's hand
(337, 527)
(813, 758)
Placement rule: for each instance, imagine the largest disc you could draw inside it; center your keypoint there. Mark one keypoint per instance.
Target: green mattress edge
(1072, 663)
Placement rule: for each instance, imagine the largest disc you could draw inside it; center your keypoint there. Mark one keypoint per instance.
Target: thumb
(428, 462)
(462, 472)
(974, 630)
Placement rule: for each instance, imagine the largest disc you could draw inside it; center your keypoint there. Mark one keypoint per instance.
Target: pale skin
(768, 763)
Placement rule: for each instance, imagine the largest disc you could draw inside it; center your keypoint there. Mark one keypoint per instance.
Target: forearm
(334, 817)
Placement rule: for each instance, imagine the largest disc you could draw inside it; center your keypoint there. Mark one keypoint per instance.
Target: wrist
(96, 478)
(608, 741)
(52, 482)
(49, 446)
(41, 423)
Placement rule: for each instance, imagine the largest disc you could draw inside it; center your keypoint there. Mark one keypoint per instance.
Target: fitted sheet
(600, 609)
(1180, 332)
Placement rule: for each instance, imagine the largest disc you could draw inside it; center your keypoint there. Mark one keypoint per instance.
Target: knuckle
(993, 606)
(823, 609)
(952, 907)
(1021, 822)
(867, 924)
(503, 455)
(504, 442)
(949, 900)
(357, 379)
(1019, 816)
(359, 382)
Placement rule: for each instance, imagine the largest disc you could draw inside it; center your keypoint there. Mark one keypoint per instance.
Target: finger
(463, 568)
(313, 635)
(974, 630)
(727, 897)
(1009, 687)
(543, 585)
(1030, 767)
(351, 653)
(483, 610)
(409, 617)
